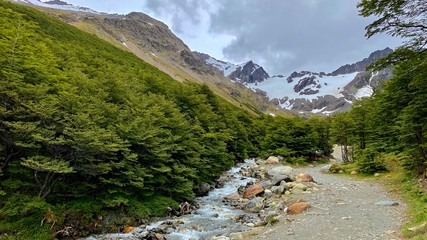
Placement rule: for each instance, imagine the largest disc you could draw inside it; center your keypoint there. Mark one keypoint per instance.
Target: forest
(89, 131)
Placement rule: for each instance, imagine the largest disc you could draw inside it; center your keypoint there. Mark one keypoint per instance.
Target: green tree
(342, 129)
(400, 18)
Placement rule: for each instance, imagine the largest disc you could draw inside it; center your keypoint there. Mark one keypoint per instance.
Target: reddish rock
(298, 207)
(128, 229)
(253, 191)
(304, 177)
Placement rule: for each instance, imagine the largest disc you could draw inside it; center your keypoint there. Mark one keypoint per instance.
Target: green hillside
(89, 131)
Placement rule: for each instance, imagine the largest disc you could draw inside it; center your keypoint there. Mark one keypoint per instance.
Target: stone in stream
(203, 189)
(304, 177)
(128, 229)
(253, 191)
(387, 203)
(232, 196)
(297, 208)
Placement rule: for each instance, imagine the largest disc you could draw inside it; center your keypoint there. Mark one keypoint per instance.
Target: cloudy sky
(281, 35)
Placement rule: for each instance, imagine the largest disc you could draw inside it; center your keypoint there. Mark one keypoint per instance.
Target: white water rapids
(213, 217)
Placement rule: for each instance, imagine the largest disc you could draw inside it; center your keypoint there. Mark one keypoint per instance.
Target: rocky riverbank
(264, 199)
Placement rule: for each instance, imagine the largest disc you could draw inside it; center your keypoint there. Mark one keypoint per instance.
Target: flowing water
(213, 217)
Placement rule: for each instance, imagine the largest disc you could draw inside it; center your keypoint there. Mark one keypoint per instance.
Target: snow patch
(69, 7)
(318, 110)
(366, 91)
(279, 88)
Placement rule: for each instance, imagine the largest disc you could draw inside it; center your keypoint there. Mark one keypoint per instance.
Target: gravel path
(342, 208)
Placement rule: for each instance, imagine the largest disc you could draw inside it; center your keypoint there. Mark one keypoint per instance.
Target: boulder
(272, 160)
(266, 184)
(203, 189)
(326, 168)
(278, 189)
(255, 205)
(252, 191)
(268, 193)
(128, 229)
(236, 236)
(232, 196)
(300, 186)
(297, 208)
(304, 177)
(288, 185)
(281, 173)
(220, 238)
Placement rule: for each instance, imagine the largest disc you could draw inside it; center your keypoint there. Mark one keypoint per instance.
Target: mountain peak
(361, 65)
(249, 73)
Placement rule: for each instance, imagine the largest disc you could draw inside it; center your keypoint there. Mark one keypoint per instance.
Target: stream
(213, 217)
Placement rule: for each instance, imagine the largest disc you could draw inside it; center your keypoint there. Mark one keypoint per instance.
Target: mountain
(153, 41)
(248, 72)
(306, 91)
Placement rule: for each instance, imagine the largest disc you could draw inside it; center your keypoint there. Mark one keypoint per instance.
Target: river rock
(300, 186)
(253, 191)
(288, 185)
(297, 191)
(281, 173)
(304, 177)
(128, 229)
(255, 205)
(232, 196)
(266, 184)
(203, 189)
(278, 189)
(236, 236)
(268, 193)
(220, 238)
(272, 160)
(297, 208)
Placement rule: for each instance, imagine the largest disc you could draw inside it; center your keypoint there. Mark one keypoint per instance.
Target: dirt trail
(342, 208)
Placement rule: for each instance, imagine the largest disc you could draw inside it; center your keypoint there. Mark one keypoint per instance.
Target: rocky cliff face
(249, 73)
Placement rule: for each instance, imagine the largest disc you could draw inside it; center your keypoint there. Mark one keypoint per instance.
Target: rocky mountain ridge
(315, 92)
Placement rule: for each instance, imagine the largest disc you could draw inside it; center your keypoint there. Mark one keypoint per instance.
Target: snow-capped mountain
(308, 91)
(248, 72)
(58, 4)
